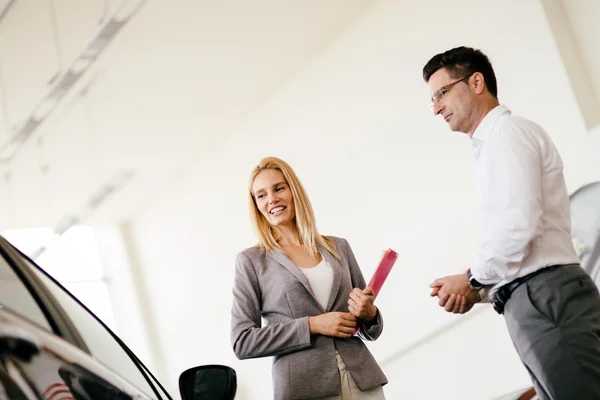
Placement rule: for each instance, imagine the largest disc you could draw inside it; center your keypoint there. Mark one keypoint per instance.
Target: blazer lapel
(284, 260)
(337, 275)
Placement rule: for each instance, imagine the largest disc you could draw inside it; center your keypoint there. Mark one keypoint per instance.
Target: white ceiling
(583, 17)
(574, 24)
(180, 77)
(175, 81)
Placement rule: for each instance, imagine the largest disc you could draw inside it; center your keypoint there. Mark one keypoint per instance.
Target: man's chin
(455, 128)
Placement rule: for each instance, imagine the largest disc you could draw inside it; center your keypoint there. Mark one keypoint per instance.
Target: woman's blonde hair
(305, 219)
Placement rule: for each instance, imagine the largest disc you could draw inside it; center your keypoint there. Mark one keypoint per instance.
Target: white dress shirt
(524, 200)
(320, 278)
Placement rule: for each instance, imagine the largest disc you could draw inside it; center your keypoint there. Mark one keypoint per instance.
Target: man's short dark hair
(460, 62)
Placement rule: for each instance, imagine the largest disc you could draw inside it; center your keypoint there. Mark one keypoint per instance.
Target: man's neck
(485, 108)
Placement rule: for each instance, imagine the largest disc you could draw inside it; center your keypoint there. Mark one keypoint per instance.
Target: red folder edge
(381, 273)
(383, 270)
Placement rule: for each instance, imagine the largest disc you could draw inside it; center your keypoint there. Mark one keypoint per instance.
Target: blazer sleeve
(373, 331)
(249, 338)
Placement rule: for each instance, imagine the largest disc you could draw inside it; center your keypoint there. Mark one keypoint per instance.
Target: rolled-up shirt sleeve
(510, 176)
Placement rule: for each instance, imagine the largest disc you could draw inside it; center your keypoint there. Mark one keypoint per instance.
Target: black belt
(503, 294)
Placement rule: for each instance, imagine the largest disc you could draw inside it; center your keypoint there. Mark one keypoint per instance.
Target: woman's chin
(280, 221)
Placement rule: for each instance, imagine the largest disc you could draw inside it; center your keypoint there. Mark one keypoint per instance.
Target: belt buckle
(500, 299)
(498, 306)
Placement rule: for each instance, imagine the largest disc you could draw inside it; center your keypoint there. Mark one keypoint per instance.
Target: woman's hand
(361, 304)
(336, 324)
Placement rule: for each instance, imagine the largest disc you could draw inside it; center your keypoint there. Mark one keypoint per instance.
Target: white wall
(382, 172)
(134, 322)
(446, 365)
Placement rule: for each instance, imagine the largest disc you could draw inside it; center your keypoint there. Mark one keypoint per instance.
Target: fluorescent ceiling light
(69, 77)
(126, 9)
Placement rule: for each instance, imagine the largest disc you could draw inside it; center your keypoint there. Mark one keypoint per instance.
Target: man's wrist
(484, 294)
(475, 284)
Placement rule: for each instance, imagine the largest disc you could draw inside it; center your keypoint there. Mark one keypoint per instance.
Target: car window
(101, 344)
(57, 378)
(35, 363)
(15, 296)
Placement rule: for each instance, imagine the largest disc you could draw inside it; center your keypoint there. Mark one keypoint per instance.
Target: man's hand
(336, 324)
(360, 304)
(458, 304)
(455, 293)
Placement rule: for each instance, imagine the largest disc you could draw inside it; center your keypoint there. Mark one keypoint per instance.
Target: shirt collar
(487, 123)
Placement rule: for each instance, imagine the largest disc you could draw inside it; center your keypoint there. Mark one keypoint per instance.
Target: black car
(53, 348)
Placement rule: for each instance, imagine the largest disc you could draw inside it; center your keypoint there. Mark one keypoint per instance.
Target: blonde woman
(312, 294)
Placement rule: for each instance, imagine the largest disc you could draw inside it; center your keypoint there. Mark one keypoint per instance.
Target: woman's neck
(288, 235)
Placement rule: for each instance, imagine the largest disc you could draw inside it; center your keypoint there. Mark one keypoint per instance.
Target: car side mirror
(208, 382)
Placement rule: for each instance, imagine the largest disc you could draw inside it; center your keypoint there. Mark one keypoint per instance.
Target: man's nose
(437, 108)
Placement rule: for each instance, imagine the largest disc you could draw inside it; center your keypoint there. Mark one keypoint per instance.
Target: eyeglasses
(439, 94)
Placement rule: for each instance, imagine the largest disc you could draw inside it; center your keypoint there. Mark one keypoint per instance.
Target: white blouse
(320, 278)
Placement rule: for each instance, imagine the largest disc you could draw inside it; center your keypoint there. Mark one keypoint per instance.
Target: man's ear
(478, 83)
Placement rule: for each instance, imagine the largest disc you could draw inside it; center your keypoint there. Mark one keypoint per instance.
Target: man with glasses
(527, 265)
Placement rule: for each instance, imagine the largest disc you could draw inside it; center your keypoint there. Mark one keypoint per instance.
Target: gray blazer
(271, 286)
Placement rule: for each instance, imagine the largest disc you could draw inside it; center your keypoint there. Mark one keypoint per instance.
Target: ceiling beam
(580, 77)
(66, 80)
(6, 9)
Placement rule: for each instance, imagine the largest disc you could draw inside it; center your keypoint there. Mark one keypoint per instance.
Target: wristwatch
(474, 283)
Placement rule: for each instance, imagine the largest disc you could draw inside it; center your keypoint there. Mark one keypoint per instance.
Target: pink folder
(383, 270)
(381, 273)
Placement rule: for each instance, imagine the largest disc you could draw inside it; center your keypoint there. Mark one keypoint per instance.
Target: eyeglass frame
(439, 94)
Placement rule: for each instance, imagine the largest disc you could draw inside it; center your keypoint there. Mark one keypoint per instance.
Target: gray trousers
(554, 322)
